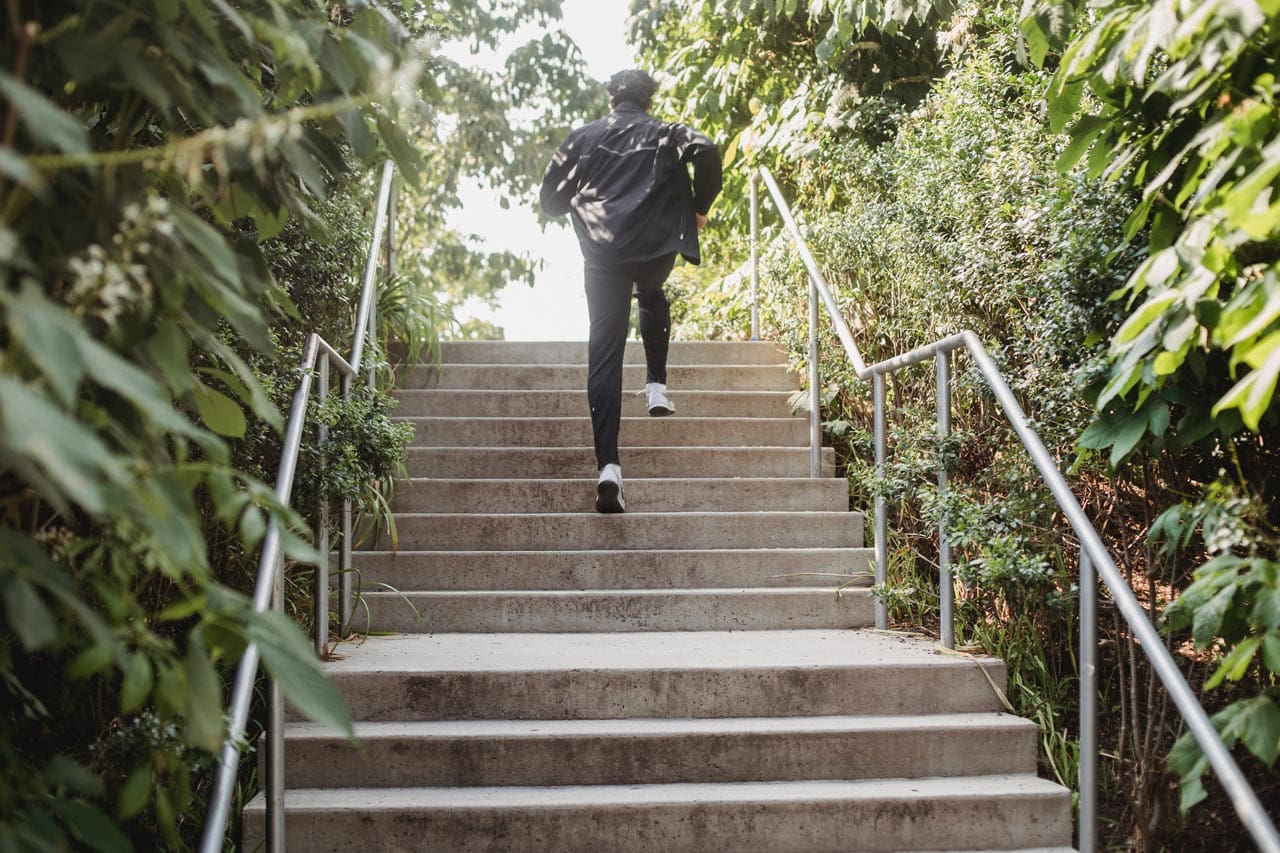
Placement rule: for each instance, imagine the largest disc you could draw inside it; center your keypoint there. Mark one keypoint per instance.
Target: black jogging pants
(609, 289)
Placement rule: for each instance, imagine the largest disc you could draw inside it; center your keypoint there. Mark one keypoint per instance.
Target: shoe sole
(609, 498)
(660, 412)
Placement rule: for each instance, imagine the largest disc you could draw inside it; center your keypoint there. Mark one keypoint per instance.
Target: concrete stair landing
(698, 674)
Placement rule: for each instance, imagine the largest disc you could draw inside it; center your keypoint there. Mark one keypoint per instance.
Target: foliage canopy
(136, 333)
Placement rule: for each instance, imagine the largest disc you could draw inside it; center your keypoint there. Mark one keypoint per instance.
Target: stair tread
(731, 568)
(646, 592)
(578, 365)
(619, 593)
(851, 724)
(588, 552)
(582, 796)
(697, 650)
(798, 482)
(623, 518)
(586, 418)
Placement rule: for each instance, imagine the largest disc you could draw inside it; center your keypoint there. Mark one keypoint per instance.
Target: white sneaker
(609, 490)
(660, 404)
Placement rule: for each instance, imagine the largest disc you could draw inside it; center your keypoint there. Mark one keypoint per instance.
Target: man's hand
(702, 220)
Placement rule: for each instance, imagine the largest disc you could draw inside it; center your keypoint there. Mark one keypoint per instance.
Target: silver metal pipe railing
(1095, 560)
(755, 256)
(318, 361)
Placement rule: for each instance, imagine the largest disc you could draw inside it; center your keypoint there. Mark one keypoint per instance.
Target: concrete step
(812, 816)
(575, 352)
(599, 610)
(459, 402)
(455, 463)
(640, 569)
(632, 530)
(688, 674)
(789, 494)
(575, 432)
(659, 751)
(573, 377)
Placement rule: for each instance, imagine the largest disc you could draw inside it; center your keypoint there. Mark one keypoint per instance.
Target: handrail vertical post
(275, 735)
(345, 600)
(881, 521)
(946, 586)
(371, 336)
(321, 593)
(393, 205)
(1088, 830)
(815, 394)
(755, 255)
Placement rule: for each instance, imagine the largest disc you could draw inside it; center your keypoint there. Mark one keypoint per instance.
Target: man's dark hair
(632, 85)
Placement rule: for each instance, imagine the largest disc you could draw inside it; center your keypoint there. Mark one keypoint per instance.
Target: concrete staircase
(684, 677)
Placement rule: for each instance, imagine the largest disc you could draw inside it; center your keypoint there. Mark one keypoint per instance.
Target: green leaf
(172, 519)
(1271, 651)
(146, 394)
(1185, 756)
(1262, 729)
(78, 465)
(1120, 431)
(1082, 133)
(1192, 790)
(1189, 762)
(169, 350)
(1036, 41)
(91, 661)
(1208, 619)
(1151, 310)
(253, 526)
(1250, 312)
(63, 772)
(211, 245)
(219, 412)
(171, 689)
(1266, 600)
(1252, 395)
(271, 223)
(135, 792)
(27, 615)
(138, 678)
(289, 657)
(92, 827)
(250, 394)
(1064, 103)
(204, 710)
(357, 130)
(167, 817)
(1236, 663)
(45, 121)
(167, 11)
(182, 609)
(260, 402)
(49, 334)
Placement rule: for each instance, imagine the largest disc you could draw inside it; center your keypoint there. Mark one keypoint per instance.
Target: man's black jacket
(625, 179)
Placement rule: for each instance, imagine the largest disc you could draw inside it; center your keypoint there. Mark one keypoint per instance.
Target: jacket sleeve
(698, 149)
(560, 184)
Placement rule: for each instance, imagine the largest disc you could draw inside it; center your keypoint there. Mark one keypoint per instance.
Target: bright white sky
(554, 309)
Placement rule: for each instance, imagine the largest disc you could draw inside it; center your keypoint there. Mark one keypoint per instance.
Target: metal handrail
(1095, 560)
(317, 361)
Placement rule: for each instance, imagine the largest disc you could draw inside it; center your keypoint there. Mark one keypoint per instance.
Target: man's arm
(559, 184)
(698, 149)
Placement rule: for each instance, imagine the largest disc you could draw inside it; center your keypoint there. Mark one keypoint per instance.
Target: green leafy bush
(150, 148)
(1180, 101)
